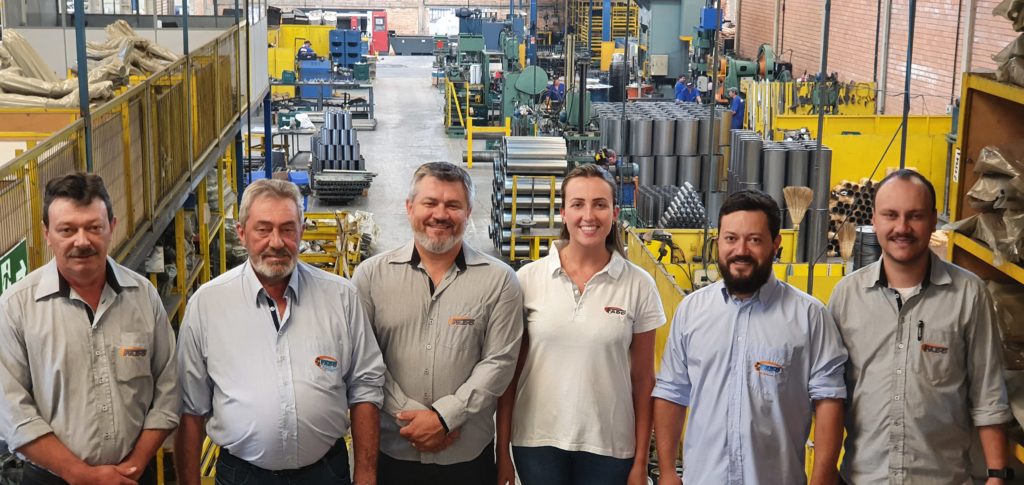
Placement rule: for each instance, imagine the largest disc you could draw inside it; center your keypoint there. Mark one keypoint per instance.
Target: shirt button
(429, 347)
(899, 372)
(897, 397)
(426, 372)
(900, 346)
(99, 352)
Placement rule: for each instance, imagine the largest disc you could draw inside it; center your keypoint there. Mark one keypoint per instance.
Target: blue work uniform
(685, 93)
(556, 93)
(628, 188)
(738, 107)
(306, 53)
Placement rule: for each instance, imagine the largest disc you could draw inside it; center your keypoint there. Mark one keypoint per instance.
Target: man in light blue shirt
(751, 357)
(276, 360)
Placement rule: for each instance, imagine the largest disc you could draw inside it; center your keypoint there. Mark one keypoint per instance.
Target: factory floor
(410, 131)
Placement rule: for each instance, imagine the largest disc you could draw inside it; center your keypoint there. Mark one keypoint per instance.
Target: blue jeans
(329, 470)
(547, 465)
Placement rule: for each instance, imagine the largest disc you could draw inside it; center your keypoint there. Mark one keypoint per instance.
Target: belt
(337, 449)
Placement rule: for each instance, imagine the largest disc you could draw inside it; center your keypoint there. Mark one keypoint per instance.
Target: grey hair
(277, 189)
(445, 172)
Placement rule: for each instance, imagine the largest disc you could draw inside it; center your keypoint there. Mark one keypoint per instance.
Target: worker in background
(750, 349)
(685, 91)
(306, 52)
(625, 186)
(594, 429)
(555, 91)
(86, 353)
(274, 357)
(925, 369)
(449, 320)
(738, 107)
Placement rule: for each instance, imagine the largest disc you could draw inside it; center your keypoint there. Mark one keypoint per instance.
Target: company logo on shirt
(768, 368)
(934, 349)
(327, 363)
(614, 310)
(132, 352)
(460, 321)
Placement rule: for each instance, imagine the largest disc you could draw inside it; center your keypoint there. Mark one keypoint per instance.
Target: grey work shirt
(453, 347)
(277, 398)
(922, 374)
(93, 379)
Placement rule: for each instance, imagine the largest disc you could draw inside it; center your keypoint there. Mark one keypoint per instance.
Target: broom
(798, 199)
(847, 236)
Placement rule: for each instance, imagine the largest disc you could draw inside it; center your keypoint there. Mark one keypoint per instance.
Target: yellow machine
(336, 241)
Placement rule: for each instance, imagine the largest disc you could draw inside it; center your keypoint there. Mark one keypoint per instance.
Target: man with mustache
(274, 357)
(449, 321)
(925, 369)
(751, 357)
(86, 353)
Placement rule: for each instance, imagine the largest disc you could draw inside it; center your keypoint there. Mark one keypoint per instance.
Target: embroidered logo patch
(614, 310)
(132, 352)
(934, 349)
(768, 368)
(327, 363)
(461, 321)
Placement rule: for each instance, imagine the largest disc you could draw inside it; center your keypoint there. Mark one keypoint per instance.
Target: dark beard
(746, 285)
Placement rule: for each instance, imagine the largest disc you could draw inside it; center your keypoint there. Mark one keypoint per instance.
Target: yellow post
(126, 147)
(36, 244)
(447, 103)
(508, 126)
(512, 227)
(179, 249)
(221, 248)
(469, 142)
(204, 229)
(160, 466)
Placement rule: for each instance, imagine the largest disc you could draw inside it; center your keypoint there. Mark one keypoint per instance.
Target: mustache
(277, 253)
(82, 252)
(909, 236)
(741, 259)
(438, 223)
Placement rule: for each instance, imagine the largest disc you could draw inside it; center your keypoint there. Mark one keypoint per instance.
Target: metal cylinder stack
(530, 164)
(850, 202)
(336, 146)
(670, 207)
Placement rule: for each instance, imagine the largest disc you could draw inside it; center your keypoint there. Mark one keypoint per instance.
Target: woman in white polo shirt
(579, 409)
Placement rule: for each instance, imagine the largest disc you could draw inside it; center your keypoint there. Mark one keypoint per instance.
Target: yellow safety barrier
(471, 129)
(148, 143)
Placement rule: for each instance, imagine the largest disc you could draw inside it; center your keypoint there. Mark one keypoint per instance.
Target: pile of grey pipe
(529, 165)
(770, 166)
(336, 146)
(670, 207)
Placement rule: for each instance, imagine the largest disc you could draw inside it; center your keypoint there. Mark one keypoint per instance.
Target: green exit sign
(13, 265)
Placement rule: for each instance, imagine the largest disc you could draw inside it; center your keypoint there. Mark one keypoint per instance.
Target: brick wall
(937, 54)
(409, 17)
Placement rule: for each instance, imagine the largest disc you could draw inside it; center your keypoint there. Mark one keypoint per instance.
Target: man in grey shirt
(273, 357)
(86, 353)
(925, 368)
(449, 321)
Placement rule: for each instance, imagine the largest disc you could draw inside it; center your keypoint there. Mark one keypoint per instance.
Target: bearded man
(449, 322)
(276, 360)
(751, 357)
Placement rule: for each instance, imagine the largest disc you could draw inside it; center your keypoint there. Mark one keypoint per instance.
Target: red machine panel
(379, 39)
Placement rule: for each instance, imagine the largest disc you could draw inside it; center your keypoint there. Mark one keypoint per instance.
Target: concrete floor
(410, 131)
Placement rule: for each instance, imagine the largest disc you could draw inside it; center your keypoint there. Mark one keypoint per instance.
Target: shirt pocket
(133, 356)
(768, 366)
(462, 330)
(939, 355)
(324, 363)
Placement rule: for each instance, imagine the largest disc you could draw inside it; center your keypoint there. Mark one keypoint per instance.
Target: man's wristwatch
(1004, 473)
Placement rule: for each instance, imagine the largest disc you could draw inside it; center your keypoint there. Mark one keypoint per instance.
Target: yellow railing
(140, 146)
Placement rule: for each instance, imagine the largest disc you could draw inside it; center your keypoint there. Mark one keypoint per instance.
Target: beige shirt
(453, 347)
(95, 380)
(923, 373)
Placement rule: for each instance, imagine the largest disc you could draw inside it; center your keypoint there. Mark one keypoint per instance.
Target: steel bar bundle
(670, 207)
(851, 202)
(528, 166)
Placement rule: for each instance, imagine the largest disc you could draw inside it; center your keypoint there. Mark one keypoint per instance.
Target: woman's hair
(614, 240)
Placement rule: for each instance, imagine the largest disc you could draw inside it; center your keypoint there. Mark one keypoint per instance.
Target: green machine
(520, 87)
(471, 80)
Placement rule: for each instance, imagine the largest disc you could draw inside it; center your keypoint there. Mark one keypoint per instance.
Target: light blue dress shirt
(277, 398)
(748, 370)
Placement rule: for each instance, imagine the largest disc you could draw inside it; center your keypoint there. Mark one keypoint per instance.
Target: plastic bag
(1012, 10)
(994, 192)
(1006, 159)
(989, 228)
(1008, 299)
(1010, 62)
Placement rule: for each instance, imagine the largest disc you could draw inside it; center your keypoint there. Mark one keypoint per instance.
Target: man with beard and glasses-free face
(925, 369)
(274, 357)
(751, 357)
(86, 353)
(449, 321)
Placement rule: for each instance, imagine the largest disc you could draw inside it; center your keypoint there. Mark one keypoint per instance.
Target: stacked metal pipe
(670, 207)
(667, 140)
(533, 167)
(849, 202)
(336, 146)
(770, 166)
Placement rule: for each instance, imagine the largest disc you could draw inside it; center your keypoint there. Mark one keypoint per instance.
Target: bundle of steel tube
(851, 202)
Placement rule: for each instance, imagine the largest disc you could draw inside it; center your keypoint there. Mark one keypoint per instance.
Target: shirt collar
(938, 274)
(253, 286)
(614, 268)
(766, 294)
(52, 282)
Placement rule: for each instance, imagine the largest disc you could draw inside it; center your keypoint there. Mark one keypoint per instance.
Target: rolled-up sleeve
(491, 376)
(193, 377)
(828, 356)
(163, 414)
(365, 377)
(20, 422)
(986, 384)
(673, 381)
